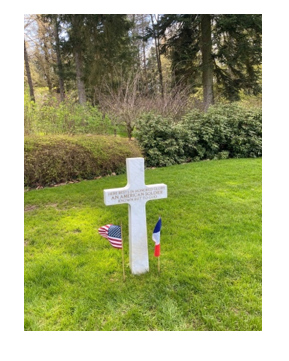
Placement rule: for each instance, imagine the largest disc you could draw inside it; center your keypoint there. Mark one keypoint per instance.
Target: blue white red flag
(157, 237)
(112, 233)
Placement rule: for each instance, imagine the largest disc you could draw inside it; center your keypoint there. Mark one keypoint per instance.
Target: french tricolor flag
(157, 237)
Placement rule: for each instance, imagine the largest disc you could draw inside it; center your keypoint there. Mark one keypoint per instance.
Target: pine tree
(98, 43)
(225, 49)
(238, 53)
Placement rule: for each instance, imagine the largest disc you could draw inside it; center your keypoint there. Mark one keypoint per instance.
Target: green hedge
(225, 131)
(54, 159)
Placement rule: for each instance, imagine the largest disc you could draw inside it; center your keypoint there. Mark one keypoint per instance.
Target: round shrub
(225, 131)
(161, 140)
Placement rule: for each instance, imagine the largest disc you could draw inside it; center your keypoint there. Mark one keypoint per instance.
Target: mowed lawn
(211, 254)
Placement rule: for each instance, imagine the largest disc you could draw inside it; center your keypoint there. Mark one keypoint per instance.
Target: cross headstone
(136, 193)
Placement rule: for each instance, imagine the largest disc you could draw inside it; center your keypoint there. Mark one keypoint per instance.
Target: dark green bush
(225, 131)
(161, 140)
(54, 159)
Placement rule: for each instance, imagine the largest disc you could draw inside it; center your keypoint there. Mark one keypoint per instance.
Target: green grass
(211, 254)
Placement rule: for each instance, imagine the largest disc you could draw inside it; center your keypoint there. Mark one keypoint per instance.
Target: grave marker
(136, 193)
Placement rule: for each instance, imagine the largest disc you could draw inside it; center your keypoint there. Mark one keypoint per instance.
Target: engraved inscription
(134, 195)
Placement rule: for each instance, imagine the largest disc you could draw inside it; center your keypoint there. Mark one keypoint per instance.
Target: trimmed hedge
(55, 159)
(225, 131)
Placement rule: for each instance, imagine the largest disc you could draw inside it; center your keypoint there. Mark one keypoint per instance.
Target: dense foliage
(235, 50)
(54, 159)
(225, 131)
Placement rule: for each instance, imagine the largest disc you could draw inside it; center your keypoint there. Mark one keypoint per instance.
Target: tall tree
(181, 44)
(207, 61)
(58, 56)
(43, 51)
(111, 49)
(99, 43)
(87, 49)
(139, 24)
(76, 36)
(225, 49)
(39, 36)
(28, 73)
(155, 33)
(237, 40)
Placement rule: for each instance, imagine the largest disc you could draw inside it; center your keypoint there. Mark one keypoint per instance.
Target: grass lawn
(211, 254)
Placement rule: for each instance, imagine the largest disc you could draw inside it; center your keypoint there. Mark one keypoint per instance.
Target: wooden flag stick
(122, 252)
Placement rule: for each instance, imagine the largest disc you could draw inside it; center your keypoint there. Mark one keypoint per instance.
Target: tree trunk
(27, 67)
(59, 62)
(42, 36)
(157, 45)
(207, 61)
(46, 67)
(75, 21)
(144, 55)
(79, 77)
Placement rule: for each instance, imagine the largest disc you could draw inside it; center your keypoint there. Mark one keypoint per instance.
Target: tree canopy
(234, 49)
(221, 54)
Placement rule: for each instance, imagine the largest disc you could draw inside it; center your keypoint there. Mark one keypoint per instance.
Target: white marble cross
(136, 194)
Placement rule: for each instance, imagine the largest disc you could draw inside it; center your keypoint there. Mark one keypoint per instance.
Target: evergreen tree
(98, 42)
(225, 49)
(237, 53)
(181, 43)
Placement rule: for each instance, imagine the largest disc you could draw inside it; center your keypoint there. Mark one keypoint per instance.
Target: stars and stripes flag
(157, 237)
(112, 233)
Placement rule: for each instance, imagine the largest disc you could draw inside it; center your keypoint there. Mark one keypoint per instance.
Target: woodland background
(121, 66)
(184, 87)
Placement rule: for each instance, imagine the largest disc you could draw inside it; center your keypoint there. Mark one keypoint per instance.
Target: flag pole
(122, 251)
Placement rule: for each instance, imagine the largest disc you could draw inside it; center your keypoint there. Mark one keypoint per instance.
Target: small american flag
(112, 233)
